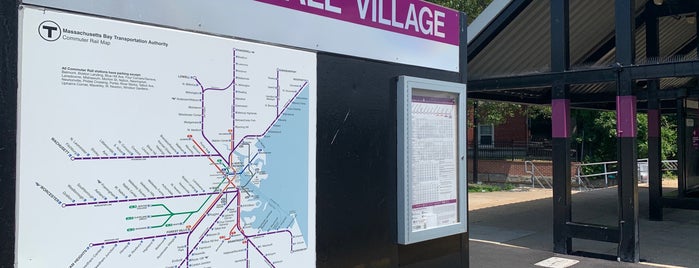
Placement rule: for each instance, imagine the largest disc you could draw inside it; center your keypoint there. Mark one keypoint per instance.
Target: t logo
(49, 30)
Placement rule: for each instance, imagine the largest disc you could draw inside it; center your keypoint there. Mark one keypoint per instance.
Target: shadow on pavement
(528, 225)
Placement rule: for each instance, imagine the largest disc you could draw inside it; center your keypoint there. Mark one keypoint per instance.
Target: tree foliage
(470, 7)
(595, 132)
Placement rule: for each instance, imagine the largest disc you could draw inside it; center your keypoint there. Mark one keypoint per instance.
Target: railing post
(606, 176)
(577, 170)
(533, 174)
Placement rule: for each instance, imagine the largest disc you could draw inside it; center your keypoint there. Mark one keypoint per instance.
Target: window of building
(486, 135)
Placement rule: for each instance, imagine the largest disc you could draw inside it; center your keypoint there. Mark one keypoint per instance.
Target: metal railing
(536, 175)
(513, 150)
(587, 172)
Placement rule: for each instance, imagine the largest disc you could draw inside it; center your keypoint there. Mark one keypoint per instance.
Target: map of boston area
(142, 146)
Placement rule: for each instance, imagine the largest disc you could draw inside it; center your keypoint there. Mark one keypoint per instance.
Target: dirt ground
(491, 199)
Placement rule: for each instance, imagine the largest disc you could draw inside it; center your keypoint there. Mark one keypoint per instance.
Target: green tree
(471, 7)
(595, 132)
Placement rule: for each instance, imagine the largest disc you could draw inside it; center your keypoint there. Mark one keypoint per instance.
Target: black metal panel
(593, 232)
(590, 76)
(8, 129)
(356, 168)
(560, 62)
(626, 143)
(514, 98)
(629, 250)
(662, 70)
(675, 7)
(562, 202)
(463, 47)
(560, 35)
(445, 252)
(681, 148)
(476, 129)
(655, 188)
(543, 80)
(624, 18)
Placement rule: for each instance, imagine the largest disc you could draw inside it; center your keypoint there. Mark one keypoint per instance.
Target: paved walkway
(508, 233)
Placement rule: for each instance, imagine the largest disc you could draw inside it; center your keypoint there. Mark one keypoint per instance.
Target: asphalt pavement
(509, 233)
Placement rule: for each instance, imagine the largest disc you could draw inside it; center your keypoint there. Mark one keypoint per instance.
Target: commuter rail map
(142, 146)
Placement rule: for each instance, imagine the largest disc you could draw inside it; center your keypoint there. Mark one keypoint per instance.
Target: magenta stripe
(437, 203)
(626, 116)
(398, 16)
(653, 123)
(560, 116)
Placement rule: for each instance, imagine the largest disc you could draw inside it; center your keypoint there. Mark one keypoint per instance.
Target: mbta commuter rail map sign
(142, 146)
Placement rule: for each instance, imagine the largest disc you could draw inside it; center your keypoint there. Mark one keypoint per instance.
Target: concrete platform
(520, 234)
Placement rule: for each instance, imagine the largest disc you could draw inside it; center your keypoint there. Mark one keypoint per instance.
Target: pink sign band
(410, 17)
(560, 116)
(626, 116)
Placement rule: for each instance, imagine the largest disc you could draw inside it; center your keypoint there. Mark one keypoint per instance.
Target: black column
(8, 129)
(463, 69)
(626, 132)
(681, 148)
(475, 141)
(655, 188)
(560, 121)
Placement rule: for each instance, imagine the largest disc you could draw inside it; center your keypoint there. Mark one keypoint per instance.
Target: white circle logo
(49, 30)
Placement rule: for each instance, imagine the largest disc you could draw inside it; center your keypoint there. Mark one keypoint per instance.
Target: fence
(515, 150)
(591, 175)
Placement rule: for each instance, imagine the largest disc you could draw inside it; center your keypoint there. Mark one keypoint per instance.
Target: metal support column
(8, 128)
(626, 133)
(560, 120)
(681, 148)
(655, 188)
(476, 140)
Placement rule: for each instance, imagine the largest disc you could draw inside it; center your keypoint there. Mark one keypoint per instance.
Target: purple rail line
(203, 110)
(261, 254)
(144, 199)
(186, 258)
(291, 235)
(136, 239)
(141, 157)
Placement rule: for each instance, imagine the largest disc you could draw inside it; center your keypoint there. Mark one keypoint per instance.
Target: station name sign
(410, 32)
(410, 17)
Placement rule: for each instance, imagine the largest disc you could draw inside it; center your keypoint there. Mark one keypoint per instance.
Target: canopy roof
(510, 52)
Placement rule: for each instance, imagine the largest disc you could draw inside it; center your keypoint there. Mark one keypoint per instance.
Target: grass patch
(669, 176)
(482, 188)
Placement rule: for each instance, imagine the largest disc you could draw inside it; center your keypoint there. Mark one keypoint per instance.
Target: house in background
(503, 149)
(520, 137)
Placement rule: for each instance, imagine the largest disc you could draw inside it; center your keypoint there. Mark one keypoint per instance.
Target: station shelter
(628, 56)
